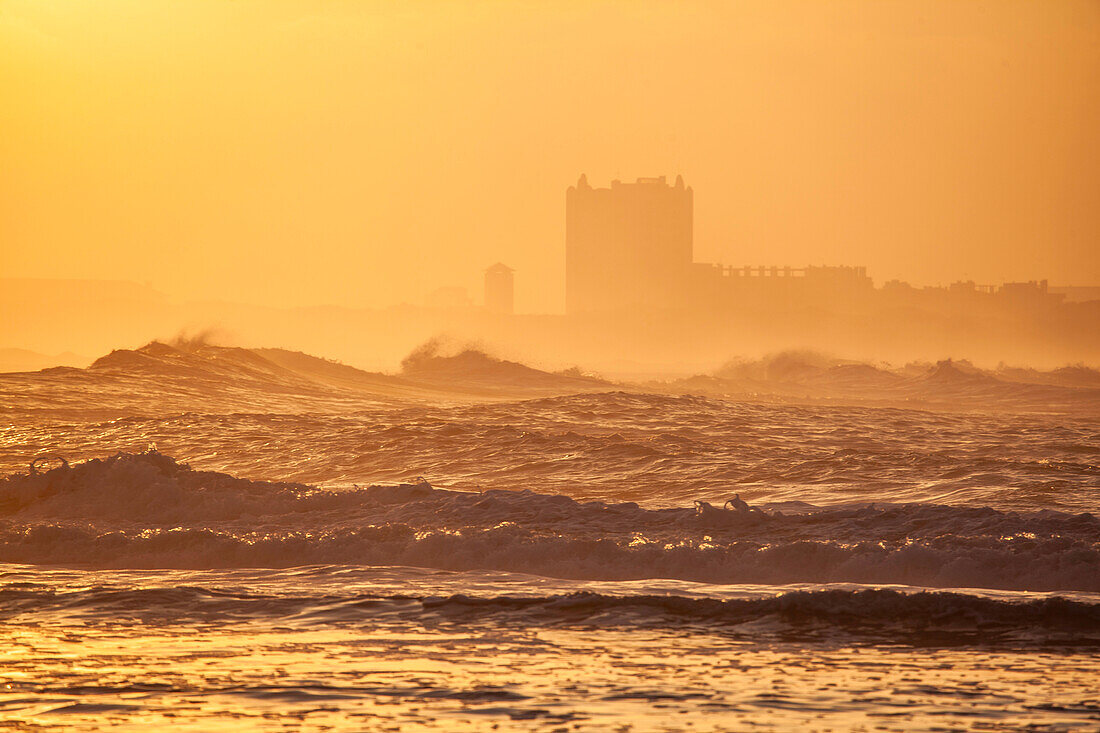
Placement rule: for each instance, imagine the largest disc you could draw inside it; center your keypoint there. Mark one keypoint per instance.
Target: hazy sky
(364, 153)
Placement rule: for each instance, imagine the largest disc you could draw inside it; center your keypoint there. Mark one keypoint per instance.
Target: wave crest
(899, 616)
(147, 510)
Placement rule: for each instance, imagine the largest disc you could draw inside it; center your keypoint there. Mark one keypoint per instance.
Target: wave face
(332, 595)
(161, 379)
(945, 385)
(147, 510)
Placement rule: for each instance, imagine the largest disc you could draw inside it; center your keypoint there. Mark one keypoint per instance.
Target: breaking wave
(147, 511)
(194, 375)
(947, 384)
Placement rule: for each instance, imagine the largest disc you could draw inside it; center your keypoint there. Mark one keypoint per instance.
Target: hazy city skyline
(930, 143)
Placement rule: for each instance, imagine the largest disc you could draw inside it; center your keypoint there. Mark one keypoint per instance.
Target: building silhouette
(718, 287)
(499, 289)
(627, 246)
(630, 248)
(629, 252)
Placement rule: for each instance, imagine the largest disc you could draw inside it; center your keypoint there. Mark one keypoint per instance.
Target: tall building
(627, 247)
(499, 289)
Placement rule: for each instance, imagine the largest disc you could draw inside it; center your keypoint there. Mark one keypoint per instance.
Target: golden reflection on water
(410, 677)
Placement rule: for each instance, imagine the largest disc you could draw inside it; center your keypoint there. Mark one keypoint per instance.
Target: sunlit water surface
(584, 590)
(307, 649)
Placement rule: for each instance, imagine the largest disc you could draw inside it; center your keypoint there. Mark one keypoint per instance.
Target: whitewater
(218, 537)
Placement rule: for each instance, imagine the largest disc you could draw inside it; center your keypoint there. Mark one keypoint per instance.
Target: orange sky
(364, 153)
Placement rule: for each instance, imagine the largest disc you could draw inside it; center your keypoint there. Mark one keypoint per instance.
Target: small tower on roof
(499, 290)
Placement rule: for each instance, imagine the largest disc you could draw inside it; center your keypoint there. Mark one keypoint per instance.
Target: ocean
(220, 538)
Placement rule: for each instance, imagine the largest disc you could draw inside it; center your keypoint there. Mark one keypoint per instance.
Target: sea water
(609, 560)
